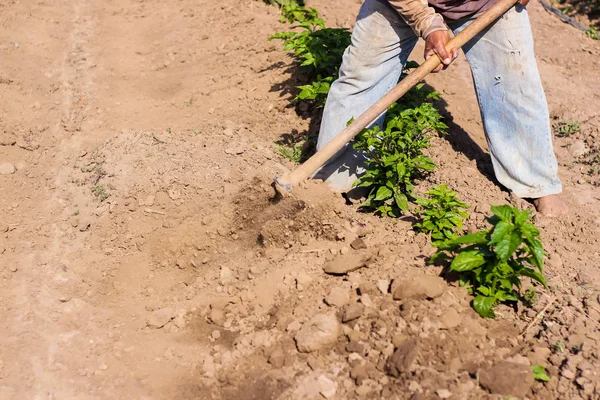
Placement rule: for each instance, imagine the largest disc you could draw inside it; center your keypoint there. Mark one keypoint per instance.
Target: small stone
(160, 318)
(320, 332)
(303, 280)
(327, 387)
(7, 139)
(578, 149)
(450, 319)
(344, 250)
(352, 312)
(277, 358)
(403, 358)
(343, 264)
(337, 297)
(217, 317)
(567, 373)
(383, 285)
(7, 169)
(235, 148)
(13, 268)
(225, 275)
(216, 334)
(507, 379)
(367, 301)
(443, 393)
(64, 299)
(358, 244)
(419, 288)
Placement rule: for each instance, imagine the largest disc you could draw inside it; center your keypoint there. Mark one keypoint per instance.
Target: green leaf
(467, 260)
(539, 373)
(401, 201)
(503, 212)
(383, 193)
(474, 238)
(537, 253)
(484, 306)
(533, 275)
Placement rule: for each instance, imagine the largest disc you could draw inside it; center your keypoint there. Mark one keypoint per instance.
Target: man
(508, 86)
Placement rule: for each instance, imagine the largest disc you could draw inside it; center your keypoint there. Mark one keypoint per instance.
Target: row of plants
(491, 262)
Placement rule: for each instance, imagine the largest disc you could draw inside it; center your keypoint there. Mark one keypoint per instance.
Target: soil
(141, 256)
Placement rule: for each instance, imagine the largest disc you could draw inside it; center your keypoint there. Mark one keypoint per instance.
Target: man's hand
(436, 44)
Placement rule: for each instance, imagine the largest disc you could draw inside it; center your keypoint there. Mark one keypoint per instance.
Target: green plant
(292, 152)
(530, 297)
(593, 33)
(396, 157)
(539, 373)
(316, 91)
(318, 49)
(99, 191)
(442, 213)
(491, 262)
(559, 346)
(281, 3)
(566, 129)
(295, 12)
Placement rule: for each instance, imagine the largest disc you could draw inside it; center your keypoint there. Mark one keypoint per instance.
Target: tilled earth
(141, 256)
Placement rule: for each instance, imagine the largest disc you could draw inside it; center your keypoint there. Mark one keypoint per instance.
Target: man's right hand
(436, 44)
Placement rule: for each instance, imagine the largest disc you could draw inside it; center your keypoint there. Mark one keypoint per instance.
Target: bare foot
(550, 206)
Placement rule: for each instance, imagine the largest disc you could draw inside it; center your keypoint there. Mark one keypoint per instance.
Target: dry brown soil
(164, 290)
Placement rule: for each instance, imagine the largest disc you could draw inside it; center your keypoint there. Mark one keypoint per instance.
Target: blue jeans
(508, 86)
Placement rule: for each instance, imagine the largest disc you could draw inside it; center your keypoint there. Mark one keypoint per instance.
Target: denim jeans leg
(513, 105)
(371, 66)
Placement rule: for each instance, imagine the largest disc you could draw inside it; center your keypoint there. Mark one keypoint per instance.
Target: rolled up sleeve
(419, 16)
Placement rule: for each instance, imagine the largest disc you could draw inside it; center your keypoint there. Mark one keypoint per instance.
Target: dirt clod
(345, 263)
(402, 361)
(320, 332)
(419, 288)
(507, 379)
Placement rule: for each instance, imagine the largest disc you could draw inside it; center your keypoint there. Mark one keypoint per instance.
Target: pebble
(338, 297)
(303, 280)
(367, 301)
(13, 268)
(320, 332)
(403, 358)
(383, 285)
(352, 312)
(343, 264)
(277, 358)
(216, 334)
(7, 169)
(578, 148)
(327, 387)
(160, 318)
(358, 244)
(443, 393)
(450, 319)
(507, 379)
(419, 288)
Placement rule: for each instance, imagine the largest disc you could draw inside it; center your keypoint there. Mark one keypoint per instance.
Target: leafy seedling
(491, 262)
(294, 12)
(441, 214)
(395, 157)
(566, 128)
(539, 373)
(530, 297)
(292, 152)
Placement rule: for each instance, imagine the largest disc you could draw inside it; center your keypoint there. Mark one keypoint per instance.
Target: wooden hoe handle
(311, 165)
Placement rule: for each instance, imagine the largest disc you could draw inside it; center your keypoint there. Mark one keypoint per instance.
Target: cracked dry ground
(129, 262)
